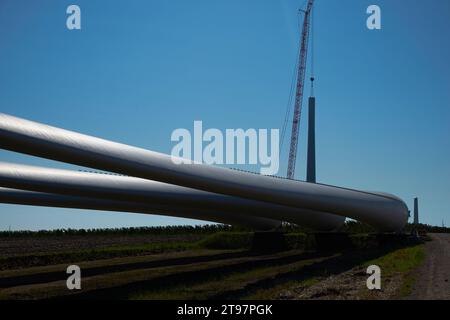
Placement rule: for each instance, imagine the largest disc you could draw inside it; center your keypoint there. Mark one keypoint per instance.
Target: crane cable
(312, 78)
(291, 92)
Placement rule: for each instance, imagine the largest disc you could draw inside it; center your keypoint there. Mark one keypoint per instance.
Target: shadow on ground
(322, 263)
(94, 271)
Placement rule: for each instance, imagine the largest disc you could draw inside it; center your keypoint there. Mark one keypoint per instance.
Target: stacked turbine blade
(221, 191)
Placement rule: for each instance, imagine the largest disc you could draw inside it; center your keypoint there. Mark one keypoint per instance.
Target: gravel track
(433, 277)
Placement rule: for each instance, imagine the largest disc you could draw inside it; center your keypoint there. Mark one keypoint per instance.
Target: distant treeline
(349, 227)
(358, 227)
(163, 230)
(427, 228)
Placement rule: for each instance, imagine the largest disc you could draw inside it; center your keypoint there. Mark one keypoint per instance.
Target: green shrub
(227, 240)
(363, 241)
(296, 240)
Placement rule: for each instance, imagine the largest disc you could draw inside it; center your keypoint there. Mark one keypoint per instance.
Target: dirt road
(433, 278)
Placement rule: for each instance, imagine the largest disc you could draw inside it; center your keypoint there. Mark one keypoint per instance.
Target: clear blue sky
(140, 69)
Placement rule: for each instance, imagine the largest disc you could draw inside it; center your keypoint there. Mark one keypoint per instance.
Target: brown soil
(349, 285)
(32, 245)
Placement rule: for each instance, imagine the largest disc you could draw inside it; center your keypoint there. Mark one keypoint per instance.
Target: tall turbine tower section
(299, 90)
(311, 155)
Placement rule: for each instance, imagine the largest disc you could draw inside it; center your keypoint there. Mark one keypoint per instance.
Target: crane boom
(299, 91)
